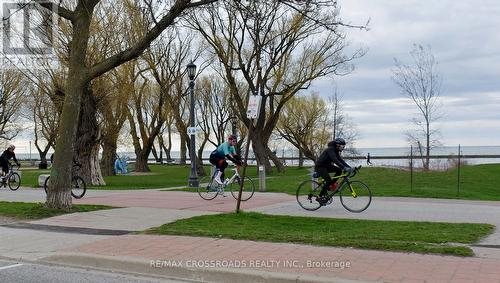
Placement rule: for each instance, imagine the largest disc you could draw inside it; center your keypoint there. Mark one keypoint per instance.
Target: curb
(143, 267)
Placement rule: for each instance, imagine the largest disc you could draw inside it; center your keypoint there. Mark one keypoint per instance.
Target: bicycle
(355, 196)
(78, 186)
(12, 179)
(212, 189)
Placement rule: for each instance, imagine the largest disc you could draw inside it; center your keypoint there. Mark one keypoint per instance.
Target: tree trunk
(167, 150)
(263, 153)
(428, 148)
(277, 162)
(42, 154)
(141, 161)
(108, 156)
(87, 144)
(301, 159)
(183, 151)
(59, 195)
(259, 150)
(200, 168)
(155, 154)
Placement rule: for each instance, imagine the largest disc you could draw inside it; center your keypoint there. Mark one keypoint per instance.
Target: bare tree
(12, 97)
(305, 123)
(421, 82)
(44, 114)
(80, 74)
(274, 48)
(113, 114)
(342, 124)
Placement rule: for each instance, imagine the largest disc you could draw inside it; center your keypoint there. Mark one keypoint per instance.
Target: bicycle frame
(345, 179)
(8, 174)
(227, 182)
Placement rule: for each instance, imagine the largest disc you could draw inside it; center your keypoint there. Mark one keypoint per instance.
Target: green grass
(418, 237)
(23, 210)
(159, 177)
(478, 182)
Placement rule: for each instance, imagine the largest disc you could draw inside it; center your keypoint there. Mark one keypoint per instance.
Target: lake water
(374, 152)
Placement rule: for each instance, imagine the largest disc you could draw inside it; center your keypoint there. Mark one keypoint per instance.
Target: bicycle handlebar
(13, 166)
(355, 171)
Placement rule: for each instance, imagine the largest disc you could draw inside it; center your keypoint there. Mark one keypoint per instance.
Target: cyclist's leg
(219, 170)
(214, 161)
(324, 172)
(5, 166)
(338, 172)
(222, 166)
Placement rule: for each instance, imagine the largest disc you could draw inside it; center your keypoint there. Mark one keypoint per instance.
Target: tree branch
(134, 51)
(61, 11)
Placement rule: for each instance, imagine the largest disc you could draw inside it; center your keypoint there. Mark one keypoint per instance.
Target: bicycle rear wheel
(207, 188)
(248, 189)
(78, 187)
(46, 184)
(14, 181)
(355, 196)
(307, 194)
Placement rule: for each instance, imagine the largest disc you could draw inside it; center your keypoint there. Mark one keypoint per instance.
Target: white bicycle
(210, 189)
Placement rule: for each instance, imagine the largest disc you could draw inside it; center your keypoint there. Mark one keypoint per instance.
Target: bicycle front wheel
(248, 189)
(207, 188)
(78, 187)
(307, 195)
(355, 196)
(14, 181)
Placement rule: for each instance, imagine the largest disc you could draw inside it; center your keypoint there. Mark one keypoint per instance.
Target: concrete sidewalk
(224, 260)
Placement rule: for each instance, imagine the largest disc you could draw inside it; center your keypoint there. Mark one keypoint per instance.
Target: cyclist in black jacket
(331, 161)
(4, 158)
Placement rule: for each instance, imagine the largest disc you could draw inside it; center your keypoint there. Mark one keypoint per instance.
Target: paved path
(144, 209)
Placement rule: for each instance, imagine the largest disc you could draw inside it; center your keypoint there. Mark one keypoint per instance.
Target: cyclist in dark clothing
(331, 161)
(6, 156)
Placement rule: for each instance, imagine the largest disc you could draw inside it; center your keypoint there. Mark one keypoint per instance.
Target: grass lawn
(418, 237)
(478, 182)
(161, 176)
(24, 210)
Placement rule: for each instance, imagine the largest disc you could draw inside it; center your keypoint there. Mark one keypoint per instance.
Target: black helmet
(340, 141)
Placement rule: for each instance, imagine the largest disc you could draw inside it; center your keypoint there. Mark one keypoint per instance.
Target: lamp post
(193, 177)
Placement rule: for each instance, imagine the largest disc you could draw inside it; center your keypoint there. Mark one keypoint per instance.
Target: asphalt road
(11, 271)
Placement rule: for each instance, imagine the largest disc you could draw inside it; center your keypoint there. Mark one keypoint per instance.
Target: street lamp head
(191, 70)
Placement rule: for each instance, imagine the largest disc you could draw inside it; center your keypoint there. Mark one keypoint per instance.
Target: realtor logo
(27, 34)
(27, 28)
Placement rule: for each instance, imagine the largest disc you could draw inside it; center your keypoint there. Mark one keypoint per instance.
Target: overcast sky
(465, 39)
(464, 36)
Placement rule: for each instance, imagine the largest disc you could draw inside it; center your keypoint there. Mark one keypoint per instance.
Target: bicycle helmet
(340, 141)
(231, 137)
(11, 146)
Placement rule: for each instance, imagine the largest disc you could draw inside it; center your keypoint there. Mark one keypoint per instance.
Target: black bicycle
(12, 179)
(78, 186)
(355, 196)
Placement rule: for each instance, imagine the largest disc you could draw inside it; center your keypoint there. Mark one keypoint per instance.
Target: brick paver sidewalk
(297, 259)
